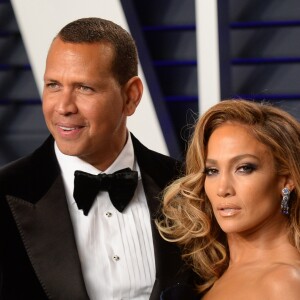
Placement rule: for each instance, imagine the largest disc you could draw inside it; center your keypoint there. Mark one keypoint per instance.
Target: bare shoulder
(282, 281)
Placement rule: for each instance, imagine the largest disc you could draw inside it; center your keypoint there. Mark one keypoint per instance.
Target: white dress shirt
(115, 249)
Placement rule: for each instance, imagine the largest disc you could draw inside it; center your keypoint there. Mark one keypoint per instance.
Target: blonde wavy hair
(187, 217)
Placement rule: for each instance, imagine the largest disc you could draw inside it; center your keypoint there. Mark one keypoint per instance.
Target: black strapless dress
(180, 292)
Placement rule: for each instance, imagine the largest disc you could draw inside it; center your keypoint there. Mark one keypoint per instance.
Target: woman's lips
(228, 210)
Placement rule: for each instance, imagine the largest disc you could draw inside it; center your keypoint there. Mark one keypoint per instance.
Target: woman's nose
(225, 187)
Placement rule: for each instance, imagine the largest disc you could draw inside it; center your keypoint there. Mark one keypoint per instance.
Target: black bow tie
(120, 186)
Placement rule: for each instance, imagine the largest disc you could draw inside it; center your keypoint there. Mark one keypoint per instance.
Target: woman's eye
(210, 171)
(246, 169)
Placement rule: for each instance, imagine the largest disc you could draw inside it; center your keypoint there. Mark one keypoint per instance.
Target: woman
(236, 211)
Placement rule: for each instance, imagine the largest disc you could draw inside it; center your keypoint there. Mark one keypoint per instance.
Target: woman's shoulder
(282, 281)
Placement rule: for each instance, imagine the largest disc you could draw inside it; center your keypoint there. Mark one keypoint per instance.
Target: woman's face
(241, 181)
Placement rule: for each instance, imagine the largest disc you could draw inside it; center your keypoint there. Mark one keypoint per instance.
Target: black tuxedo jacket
(38, 258)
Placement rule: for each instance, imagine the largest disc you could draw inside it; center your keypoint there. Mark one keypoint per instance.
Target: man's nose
(66, 104)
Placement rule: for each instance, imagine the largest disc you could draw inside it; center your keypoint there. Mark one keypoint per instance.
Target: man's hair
(97, 30)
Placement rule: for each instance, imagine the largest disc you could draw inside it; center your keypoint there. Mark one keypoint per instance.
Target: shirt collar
(69, 164)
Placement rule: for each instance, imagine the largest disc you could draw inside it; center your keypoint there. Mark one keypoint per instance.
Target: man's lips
(69, 127)
(69, 130)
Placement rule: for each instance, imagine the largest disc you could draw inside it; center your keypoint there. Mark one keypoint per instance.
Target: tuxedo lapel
(157, 171)
(46, 231)
(167, 257)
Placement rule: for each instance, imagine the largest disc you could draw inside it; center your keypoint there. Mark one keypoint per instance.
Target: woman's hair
(97, 30)
(187, 216)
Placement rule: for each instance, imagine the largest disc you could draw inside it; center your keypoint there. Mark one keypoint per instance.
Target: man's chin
(68, 149)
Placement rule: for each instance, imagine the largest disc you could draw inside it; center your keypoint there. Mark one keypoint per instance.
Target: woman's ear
(289, 183)
(133, 90)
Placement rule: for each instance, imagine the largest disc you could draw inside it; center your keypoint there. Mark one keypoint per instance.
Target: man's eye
(210, 171)
(85, 88)
(52, 85)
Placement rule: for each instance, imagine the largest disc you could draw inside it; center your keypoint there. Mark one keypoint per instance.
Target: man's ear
(132, 92)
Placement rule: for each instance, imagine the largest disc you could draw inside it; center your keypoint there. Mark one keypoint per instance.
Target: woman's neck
(268, 244)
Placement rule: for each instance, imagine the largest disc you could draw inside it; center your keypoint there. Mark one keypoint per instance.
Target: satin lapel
(167, 257)
(46, 231)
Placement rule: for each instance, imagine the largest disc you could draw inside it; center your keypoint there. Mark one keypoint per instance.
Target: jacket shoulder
(29, 176)
(159, 166)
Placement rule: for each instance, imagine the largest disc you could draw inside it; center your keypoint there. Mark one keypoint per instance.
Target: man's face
(83, 104)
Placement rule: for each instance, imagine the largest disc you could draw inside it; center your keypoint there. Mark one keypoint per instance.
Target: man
(57, 244)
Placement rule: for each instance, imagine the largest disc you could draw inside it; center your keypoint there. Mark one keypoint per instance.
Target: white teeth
(67, 128)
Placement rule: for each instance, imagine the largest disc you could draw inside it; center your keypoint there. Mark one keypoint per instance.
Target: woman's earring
(285, 201)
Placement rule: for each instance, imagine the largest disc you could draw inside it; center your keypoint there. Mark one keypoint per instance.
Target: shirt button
(116, 258)
(108, 214)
